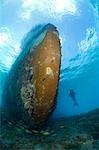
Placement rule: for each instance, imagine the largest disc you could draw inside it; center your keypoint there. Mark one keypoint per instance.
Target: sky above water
(74, 20)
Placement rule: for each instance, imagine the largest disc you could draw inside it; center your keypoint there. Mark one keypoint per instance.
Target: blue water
(79, 34)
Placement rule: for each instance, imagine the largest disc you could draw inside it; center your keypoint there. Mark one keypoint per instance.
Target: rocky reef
(31, 86)
(75, 133)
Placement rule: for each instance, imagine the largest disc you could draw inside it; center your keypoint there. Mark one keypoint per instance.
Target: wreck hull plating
(33, 80)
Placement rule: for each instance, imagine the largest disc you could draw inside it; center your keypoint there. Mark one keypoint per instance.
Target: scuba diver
(72, 95)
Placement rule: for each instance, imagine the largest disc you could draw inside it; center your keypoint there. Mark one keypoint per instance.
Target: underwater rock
(77, 134)
(32, 83)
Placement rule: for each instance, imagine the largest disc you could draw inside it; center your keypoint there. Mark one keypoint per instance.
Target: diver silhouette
(72, 95)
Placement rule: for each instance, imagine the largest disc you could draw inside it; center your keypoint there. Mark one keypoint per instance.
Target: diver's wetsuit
(72, 95)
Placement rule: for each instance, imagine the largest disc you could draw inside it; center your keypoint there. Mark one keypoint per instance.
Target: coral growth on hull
(32, 83)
